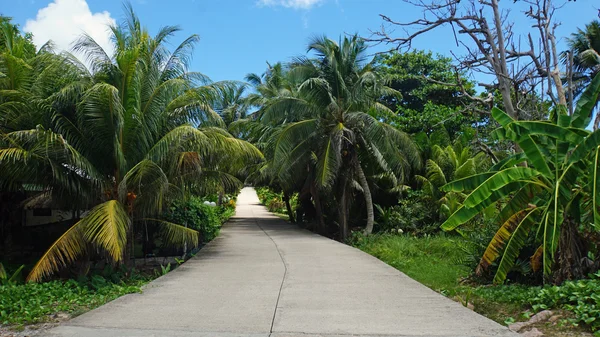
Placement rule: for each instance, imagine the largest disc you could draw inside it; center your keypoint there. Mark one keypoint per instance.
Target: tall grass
(431, 260)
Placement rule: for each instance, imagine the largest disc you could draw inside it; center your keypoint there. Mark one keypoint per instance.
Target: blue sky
(239, 36)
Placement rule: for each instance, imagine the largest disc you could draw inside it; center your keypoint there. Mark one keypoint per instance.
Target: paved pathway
(265, 277)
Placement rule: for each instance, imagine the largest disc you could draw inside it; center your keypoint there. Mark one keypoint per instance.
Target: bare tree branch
(485, 32)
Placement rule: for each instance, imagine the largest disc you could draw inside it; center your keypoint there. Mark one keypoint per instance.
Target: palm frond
(66, 249)
(175, 234)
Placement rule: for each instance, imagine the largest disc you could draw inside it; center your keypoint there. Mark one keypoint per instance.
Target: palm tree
(272, 84)
(28, 79)
(446, 165)
(328, 129)
(130, 144)
(585, 46)
(231, 103)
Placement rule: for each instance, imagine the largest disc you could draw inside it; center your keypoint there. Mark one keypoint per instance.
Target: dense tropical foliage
(557, 192)
(519, 197)
(120, 139)
(399, 154)
(326, 126)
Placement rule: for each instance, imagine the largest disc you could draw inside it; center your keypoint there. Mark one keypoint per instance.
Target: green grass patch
(430, 260)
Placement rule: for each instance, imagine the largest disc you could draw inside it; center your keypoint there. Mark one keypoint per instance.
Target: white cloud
(63, 21)
(295, 4)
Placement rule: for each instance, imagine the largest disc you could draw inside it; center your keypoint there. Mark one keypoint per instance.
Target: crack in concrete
(285, 271)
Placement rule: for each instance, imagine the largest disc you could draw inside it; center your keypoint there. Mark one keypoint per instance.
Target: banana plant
(548, 191)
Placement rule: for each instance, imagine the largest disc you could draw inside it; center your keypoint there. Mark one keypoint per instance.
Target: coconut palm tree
(28, 79)
(445, 165)
(272, 84)
(585, 45)
(134, 140)
(328, 129)
(30, 82)
(231, 103)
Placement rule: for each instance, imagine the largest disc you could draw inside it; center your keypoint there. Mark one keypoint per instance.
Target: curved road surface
(265, 277)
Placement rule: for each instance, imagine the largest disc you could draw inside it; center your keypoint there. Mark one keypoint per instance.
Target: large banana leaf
(497, 181)
(468, 183)
(583, 149)
(509, 161)
(524, 140)
(526, 220)
(502, 117)
(464, 213)
(519, 201)
(547, 129)
(563, 164)
(498, 244)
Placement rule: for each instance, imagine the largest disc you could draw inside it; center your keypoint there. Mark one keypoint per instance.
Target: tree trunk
(499, 62)
(128, 252)
(571, 248)
(131, 257)
(220, 199)
(286, 199)
(362, 179)
(317, 201)
(184, 244)
(343, 216)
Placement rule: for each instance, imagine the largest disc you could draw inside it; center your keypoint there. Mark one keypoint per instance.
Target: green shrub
(276, 205)
(413, 214)
(34, 302)
(225, 213)
(274, 200)
(195, 214)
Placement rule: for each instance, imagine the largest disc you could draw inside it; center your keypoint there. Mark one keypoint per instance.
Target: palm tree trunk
(286, 199)
(184, 244)
(317, 201)
(130, 260)
(220, 198)
(362, 180)
(343, 216)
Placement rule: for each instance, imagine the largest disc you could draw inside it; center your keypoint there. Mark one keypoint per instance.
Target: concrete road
(265, 277)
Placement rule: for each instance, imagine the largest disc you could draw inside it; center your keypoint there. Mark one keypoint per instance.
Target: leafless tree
(524, 65)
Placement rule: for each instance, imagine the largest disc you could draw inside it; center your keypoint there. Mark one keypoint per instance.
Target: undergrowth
(30, 303)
